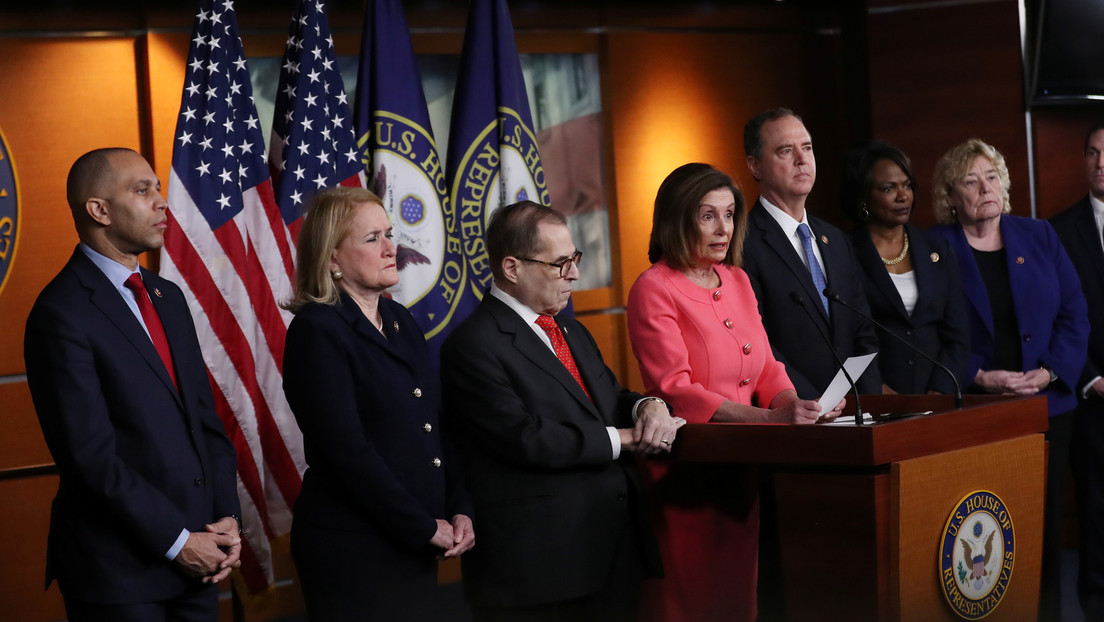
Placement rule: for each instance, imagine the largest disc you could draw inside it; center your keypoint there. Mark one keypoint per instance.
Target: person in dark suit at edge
(788, 251)
(545, 432)
(144, 523)
(1079, 228)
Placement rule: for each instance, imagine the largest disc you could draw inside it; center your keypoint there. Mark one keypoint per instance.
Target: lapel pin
(823, 239)
(935, 257)
(395, 326)
(1019, 260)
(564, 329)
(157, 292)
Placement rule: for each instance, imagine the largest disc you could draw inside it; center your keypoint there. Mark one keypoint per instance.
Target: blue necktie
(814, 266)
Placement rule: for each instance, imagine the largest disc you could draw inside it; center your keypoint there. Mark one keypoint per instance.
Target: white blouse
(906, 287)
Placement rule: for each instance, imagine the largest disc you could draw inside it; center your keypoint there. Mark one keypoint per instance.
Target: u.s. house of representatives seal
(409, 179)
(976, 555)
(9, 211)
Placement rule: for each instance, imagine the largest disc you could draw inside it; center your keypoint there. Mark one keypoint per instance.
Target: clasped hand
(212, 554)
(455, 538)
(654, 431)
(1013, 382)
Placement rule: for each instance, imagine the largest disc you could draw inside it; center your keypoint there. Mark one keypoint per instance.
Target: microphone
(799, 300)
(834, 297)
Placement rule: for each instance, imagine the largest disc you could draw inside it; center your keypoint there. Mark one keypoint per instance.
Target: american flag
(312, 145)
(229, 249)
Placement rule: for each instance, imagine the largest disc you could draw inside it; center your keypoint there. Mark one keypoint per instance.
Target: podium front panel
(924, 493)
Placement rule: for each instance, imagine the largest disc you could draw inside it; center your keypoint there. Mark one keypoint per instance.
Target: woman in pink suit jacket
(695, 329)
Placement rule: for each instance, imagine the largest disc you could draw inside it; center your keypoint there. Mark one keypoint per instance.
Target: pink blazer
(698, 347)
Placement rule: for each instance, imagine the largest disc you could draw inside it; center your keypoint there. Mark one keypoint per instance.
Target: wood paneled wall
(943, 72)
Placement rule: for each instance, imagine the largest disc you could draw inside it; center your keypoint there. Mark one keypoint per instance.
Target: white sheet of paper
(839, 387)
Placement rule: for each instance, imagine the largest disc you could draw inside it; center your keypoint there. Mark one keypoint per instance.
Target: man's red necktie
(559, 344)
(153, 322)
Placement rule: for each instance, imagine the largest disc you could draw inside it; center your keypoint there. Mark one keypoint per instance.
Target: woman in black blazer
(910, 278)
(382, 496)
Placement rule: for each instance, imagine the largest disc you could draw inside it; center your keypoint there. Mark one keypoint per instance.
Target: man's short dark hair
(1099, 125)
(753, 131)
(513, 232)
(88, 175)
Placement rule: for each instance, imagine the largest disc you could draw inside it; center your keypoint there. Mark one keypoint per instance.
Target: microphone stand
(834, 297)
(799, 300)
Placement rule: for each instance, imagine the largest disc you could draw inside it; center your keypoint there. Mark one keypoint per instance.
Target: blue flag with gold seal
(492, 153)
(403, 167)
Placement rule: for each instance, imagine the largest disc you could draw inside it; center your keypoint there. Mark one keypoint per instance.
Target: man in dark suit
(791, 257)
(545, 431)
(145, 519)
(1079, 228)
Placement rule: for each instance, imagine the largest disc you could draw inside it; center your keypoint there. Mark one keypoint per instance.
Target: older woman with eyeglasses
(1028, 319)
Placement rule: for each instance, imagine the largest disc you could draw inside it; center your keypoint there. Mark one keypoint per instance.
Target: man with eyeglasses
(546, 432)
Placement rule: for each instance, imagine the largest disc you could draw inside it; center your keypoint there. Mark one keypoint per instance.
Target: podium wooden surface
(861, 509)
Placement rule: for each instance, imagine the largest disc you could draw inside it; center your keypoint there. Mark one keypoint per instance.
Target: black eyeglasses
(564, 265)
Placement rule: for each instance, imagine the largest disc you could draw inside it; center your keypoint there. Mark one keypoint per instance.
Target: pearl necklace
(899, 258)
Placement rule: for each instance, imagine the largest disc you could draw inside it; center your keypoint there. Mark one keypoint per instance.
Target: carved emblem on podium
(977, 554)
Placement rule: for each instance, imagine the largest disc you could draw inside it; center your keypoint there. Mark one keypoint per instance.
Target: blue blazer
(776, 272)
(938, 325)
(137, 459)
(1046, 292)
(369, 409)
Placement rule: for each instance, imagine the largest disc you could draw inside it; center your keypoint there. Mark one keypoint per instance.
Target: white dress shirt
(789, 227)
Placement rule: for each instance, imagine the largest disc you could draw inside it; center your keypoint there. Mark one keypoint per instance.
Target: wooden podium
(862, 509)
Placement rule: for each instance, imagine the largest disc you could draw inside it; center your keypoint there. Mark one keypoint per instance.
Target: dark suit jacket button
(416, 392)
(1027, 336)
(427, 427)
(909, 332)
(621, 495)
(912, 361)
(198, 482)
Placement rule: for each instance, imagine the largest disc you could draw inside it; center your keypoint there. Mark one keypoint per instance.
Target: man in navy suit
(791, 257)
(1079, 228)
(545, 432)
(145, 518)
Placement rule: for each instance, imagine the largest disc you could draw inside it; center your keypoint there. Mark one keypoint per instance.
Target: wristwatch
(241, 529)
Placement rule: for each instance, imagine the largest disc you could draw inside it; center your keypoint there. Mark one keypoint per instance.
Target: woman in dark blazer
(382, 497)
(1029, 327)
(910, 278)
